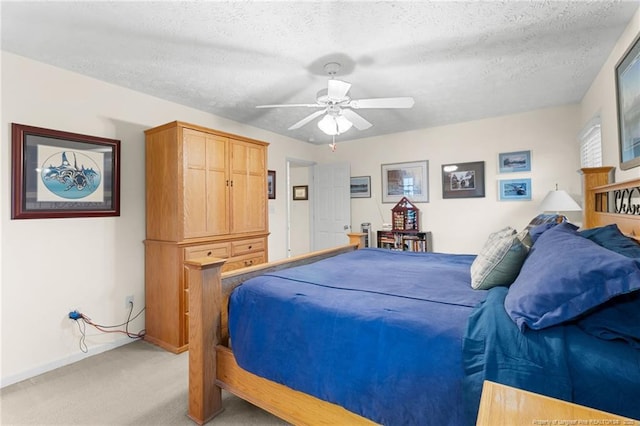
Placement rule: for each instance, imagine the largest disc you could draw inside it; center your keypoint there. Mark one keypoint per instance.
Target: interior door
(331, 195)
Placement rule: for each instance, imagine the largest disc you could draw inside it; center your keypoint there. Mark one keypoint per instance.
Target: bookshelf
(405, 240)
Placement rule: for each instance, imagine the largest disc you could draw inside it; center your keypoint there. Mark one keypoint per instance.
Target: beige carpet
(135, 384)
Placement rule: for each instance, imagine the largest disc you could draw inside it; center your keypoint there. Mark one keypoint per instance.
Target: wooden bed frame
(212, 365)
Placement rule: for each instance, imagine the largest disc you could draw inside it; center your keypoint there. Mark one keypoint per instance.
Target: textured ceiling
(460, 60)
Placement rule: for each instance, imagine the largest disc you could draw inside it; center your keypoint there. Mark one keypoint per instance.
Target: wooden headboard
(606, 202)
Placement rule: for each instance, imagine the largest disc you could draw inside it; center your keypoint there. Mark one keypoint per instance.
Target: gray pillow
(500, 260)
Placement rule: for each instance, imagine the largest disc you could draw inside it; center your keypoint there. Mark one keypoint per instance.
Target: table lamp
(559, 201)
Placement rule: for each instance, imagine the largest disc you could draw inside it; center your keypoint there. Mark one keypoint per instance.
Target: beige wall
(462, 225)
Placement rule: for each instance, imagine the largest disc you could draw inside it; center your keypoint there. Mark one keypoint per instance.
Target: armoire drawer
(221, 250)
(239, 248)
(237, 263)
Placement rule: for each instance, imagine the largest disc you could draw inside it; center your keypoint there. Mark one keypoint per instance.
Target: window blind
(591, 144)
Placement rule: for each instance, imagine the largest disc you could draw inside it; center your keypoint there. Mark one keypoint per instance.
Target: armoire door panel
(249, 193)
(195, 185)
(218, 185)
(195, 195)
(217, 204)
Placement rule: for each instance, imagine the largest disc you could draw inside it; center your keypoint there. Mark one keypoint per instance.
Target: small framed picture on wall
(301, 192)
(514, 189)
(361, 187)
(409, 180)
(512, 162)
(463, 180)
(271, 184)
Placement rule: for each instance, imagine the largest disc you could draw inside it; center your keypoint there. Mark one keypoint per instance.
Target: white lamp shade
(334, 125)
(559, 201)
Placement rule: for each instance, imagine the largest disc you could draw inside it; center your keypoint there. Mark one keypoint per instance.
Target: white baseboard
(95, 350)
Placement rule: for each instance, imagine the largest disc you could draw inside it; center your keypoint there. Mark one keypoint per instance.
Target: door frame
(295, 162)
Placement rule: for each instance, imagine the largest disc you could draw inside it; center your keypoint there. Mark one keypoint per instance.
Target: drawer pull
(210, 253)
(248, 262)
(250, 247)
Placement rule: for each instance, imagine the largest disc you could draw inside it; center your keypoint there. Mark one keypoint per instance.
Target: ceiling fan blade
(358, 121)
(405, 102)
(337, 89)
(291, 105)
(307, 119)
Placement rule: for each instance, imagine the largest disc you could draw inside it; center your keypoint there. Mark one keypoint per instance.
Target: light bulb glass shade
(559, 201)
(343, 124)
(334, 125)
(328, 125)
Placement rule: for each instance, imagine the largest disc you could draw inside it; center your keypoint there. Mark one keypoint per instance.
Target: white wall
(601, 100)
(462, 225)
(52, 266)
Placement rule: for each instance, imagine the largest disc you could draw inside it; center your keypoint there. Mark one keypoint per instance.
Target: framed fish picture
(58, 174)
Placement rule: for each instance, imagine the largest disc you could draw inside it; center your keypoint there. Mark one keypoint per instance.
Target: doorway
(299, 172)
(324, 219)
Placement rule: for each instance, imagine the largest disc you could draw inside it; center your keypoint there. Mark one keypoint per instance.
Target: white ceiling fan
(338, 106)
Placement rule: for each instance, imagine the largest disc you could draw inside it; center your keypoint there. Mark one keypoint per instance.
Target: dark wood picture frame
(58, 174)
(301, 192)
(463, 180)
(627, 73)
(271, 184)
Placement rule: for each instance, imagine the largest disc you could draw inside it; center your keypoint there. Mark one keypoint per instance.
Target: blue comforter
(562, 361)
(375, 331)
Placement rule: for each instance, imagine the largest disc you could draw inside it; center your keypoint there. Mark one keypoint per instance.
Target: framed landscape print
(463, 180)
(628, 105)
(57, 174)
(409, 180)
(511, 162)
(361, 187)
(514, 189)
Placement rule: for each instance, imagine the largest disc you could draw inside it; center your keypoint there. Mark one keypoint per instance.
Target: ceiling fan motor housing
(322, 97)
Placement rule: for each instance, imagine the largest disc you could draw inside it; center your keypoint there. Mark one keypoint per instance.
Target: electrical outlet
(128, 302)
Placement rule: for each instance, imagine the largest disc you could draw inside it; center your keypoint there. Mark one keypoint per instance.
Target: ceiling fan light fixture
(337, 106)
(343, 123)
(334, 125)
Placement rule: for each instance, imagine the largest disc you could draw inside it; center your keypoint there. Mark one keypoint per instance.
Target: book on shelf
(404, 240)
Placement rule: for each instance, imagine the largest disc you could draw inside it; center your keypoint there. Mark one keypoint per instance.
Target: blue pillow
(610, 237)
(618, 319)
(538, 230)
(566, 275)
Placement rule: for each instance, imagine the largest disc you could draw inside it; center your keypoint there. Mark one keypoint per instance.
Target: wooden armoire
(206, 195)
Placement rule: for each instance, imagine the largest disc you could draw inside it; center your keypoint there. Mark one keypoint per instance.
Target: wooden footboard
(290, 405)
(212, 365)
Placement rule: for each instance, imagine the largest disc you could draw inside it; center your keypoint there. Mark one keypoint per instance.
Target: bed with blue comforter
(402, 338)
(378, 332)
